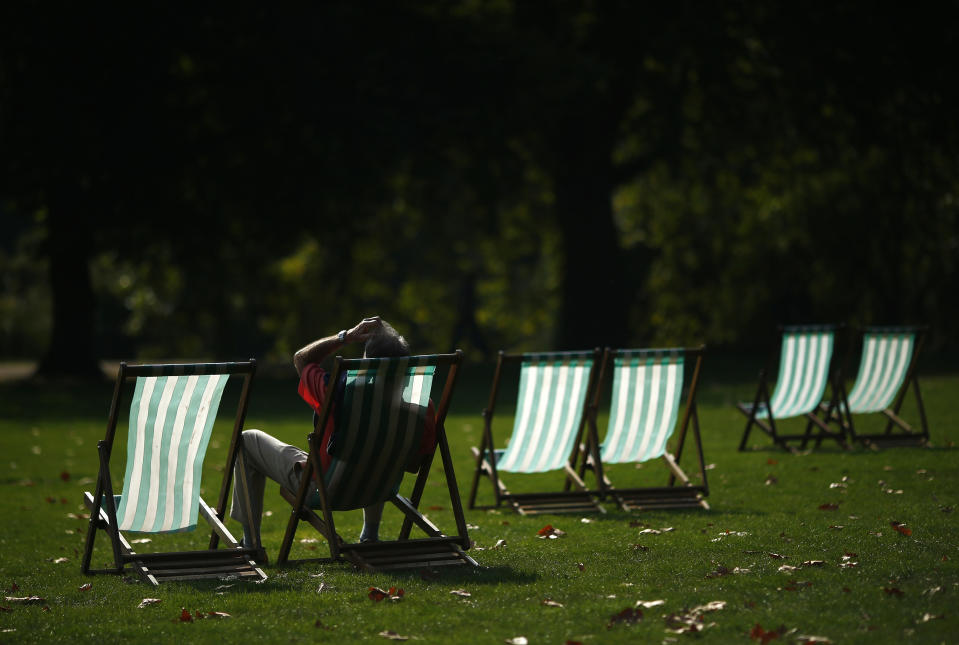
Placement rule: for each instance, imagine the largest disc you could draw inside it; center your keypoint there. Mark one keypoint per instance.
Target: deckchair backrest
(549, 411)
(171, 418)
(886, 357)
(804, 363)
(647, 387)
(378, 427)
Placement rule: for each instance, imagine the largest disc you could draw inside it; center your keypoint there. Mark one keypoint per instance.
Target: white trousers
(261, 456)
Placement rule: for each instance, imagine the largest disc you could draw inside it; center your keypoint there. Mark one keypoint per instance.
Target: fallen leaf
(462, 593)
(499, 544)
(222, 587)
(86, 586)
(786, 568)
(146, 602)
(902, 528)
(60, 560)
(376, 594)
(581, 566)
(26, 600)
(777, 556)
(585, 520)
(549, 532)
(319, 625)
(648, 604)
(393, 636)
(650, 532)
(757, 633)
(141, 541)
(628, 616)
(771, 479)
(813, 563)
(771, 462)
(185, 616)
(323, 587)
(65, 476)
(811, 640)
(927, 617)
(640, 547)
(517, 640)
(829, 506)
(893, 591)
(14, 587)
(551, 603)
(719, 572)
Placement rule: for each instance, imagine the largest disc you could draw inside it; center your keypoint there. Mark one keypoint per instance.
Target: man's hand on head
(363, 330)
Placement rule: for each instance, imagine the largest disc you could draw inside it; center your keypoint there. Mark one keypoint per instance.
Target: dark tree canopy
(184, 181)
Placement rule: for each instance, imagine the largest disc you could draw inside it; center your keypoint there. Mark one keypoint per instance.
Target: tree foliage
(486, 174)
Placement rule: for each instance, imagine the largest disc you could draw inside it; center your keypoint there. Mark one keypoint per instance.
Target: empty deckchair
(172, 412)
(644, 411)
(547, 428)
(379, 421)
(805, 369)
(887, 369)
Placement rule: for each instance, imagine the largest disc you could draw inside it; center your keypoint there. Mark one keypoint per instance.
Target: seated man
(265, 456)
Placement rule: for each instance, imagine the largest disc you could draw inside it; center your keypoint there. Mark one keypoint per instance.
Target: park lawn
(853, 546)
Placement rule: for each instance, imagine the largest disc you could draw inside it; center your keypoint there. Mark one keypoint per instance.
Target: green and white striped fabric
(379, 425)
(644, 406)
(882, 369)
(803, 373)
(171, 418)
(549, 412)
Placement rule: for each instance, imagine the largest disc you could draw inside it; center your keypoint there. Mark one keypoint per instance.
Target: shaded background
(179, 181)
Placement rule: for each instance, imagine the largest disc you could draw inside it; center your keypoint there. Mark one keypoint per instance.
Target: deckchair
(378, 426)
(887, 369)
(805, 369)
(172, 412)
(547, 428)
(644, 411)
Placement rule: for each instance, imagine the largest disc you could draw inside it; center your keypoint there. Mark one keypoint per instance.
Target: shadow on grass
(481, 574)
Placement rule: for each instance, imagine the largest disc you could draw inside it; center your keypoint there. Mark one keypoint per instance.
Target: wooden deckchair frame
(821, 423)
(671, 496)
(581, 500)
(907, 435)
(436, 549)
(212, 562)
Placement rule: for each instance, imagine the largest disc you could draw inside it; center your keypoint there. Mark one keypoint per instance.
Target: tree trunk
(71, 352)
(596, 289)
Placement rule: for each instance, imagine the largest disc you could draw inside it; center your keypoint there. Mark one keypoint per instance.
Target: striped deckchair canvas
(805, 369)
(380, 410)
(644, 413)
(171, 418)
(172, 412)
(387, 403)
(886, 370)
(547, 426)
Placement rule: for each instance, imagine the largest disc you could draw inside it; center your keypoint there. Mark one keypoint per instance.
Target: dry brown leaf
(146, 602)
(829, 506)
(86, 586)
(902, 528)
(628, 616)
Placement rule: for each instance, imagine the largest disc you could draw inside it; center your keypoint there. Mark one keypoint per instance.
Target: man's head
(386, 342)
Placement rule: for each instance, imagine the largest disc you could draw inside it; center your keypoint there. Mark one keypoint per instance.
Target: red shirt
(313, 390)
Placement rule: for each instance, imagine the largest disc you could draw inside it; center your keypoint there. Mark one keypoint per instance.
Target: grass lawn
(801, 545)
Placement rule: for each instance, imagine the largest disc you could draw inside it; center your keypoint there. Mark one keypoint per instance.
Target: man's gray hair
(386, 343)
